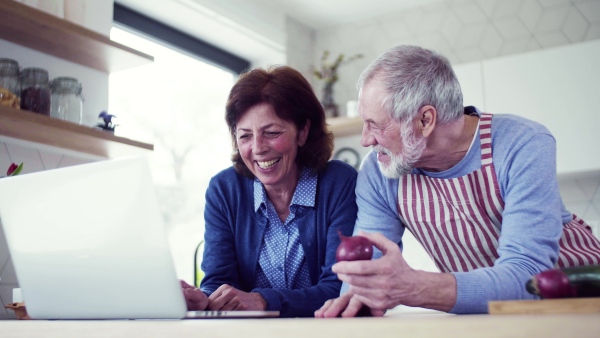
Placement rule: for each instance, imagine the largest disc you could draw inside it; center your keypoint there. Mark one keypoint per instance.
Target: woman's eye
(272, 133)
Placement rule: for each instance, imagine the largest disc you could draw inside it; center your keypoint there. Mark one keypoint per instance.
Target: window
(176, 103)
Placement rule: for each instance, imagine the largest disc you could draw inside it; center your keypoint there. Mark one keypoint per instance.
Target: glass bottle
(9, 75)
(66, 99)
(35, 90)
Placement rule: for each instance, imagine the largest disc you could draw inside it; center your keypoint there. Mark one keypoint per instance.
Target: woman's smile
(267, 165)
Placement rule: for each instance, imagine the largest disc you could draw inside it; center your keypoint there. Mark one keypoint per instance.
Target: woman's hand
(195, 299)
(227, 297)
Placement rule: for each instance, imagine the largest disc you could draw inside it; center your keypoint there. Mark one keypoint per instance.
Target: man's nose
(366, 139)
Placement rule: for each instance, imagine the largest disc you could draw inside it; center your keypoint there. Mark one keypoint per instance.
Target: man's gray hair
(415, 77)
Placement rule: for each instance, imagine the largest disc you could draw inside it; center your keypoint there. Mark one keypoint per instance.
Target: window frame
(174, 38)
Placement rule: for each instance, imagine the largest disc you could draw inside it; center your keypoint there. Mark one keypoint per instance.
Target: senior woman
(272, 219)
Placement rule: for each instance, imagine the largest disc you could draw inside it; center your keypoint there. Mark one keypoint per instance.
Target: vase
(329, 105)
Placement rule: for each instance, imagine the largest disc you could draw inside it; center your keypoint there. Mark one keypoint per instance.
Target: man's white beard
(403, 163)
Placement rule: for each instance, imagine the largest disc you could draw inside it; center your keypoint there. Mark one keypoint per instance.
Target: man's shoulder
(515, 124)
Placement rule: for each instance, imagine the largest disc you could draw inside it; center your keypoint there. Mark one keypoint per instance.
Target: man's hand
(387, 282)
(227, 297)
(195, 299)
(381, 283)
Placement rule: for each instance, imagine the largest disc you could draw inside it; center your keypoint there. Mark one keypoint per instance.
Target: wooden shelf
(47, 33)
(25, 125)
(345, 126)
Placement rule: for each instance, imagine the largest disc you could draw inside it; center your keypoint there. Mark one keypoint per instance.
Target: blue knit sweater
(234, 233)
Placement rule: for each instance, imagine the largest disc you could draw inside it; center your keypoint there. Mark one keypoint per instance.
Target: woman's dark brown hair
(293, 99)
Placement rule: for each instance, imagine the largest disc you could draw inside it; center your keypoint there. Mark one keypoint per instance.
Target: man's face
(397, 145)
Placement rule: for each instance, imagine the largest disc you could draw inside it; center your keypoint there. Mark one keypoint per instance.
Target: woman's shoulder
(228, 177)
(337, 171)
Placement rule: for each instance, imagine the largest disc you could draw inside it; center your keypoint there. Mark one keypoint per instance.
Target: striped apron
(458, 221)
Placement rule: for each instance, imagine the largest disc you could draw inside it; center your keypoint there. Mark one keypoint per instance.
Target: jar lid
(38, 74)
(9, 66)
(65, 84)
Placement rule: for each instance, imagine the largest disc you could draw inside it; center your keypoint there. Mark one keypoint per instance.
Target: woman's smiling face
(268, 145)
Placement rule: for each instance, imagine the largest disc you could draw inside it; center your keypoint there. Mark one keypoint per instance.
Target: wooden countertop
(409, 325)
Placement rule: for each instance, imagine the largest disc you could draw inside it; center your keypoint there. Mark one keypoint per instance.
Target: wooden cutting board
(563, 305)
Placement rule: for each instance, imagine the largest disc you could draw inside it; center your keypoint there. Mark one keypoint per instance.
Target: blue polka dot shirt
(281, 262)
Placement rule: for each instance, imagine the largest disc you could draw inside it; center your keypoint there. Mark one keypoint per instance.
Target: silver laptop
(89, 242)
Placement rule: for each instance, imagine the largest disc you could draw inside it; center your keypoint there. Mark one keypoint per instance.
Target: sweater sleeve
(531, 227)
(219, 262)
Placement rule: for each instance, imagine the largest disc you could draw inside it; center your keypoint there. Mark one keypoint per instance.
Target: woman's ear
(303, 135)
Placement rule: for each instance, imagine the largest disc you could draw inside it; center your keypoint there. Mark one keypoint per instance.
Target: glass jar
(35, 90)
(9, 75)
(66, 99)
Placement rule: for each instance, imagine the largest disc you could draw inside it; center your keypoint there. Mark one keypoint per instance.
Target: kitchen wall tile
(394, 29)
(570, 191)
(530, 13)
(30, 157)
(593, 32)
(596, 197)
(68, 161)
(551, 39)
(469, 35)
(592, 213)
(514, 46)
(434, 41)
(491, 42)
(469, 54)
(414, 19)
(432, 21)
(578, 208)
(515, 22)
(451, 28)
(487, 6)
(50, 160)
(5, 159)
(511, 28)
(506, 8)
(575, 25)
(6, 298)
(553, 3)
(470, 13)
(551, 19)
(440, 5)
(589, 186)
(7, 273)
(590, 10)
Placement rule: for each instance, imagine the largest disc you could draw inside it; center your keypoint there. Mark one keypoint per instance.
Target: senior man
(478, 191)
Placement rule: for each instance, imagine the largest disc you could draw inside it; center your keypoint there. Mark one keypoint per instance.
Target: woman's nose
(258, 145)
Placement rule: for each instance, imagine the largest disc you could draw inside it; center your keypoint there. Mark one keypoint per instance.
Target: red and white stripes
(458, 220)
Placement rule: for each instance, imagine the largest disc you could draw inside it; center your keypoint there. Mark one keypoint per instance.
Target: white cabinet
(557, 87)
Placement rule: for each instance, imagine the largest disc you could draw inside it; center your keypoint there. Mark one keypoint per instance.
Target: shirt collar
(305, 193)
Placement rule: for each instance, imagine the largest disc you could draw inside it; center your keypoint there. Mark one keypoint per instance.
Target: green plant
(328, 72)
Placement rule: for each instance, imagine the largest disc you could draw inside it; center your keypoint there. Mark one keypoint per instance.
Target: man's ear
(427, 119)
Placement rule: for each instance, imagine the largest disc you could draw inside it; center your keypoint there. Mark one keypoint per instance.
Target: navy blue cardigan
(234, 233)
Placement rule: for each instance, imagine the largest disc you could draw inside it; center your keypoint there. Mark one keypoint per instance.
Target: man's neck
(448, 144)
